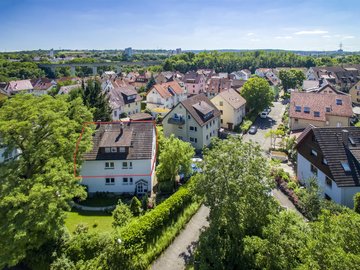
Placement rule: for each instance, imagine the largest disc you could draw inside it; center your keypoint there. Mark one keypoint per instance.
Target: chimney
(345, 137)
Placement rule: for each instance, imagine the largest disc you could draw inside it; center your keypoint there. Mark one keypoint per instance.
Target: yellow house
(231, 106)
(320, 110)
(195, 120)
(355, 93)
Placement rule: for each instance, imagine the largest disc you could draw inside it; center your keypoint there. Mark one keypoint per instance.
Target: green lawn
(103, 220)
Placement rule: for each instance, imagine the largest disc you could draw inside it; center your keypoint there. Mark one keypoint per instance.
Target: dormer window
(306, 110)
(338, 102)
(316, 114)
(297, 108)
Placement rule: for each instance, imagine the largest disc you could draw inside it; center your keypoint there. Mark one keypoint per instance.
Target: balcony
(179, 120)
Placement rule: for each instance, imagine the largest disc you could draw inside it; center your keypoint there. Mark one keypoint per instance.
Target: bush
(135, 206)
(246, 125)
(292, 185)
(144, 230)
(121, 215)
(357, 203)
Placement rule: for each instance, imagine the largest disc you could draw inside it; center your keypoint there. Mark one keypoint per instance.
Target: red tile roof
(165, 89)
(319, 103)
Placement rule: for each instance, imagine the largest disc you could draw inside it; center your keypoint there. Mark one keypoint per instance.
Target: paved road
(180, 251)
(264, 125)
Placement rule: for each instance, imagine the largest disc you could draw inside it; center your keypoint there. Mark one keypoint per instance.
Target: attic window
(306, 110)
(316, 114)
(345, 166)
(352, 141)
(338, 102)
(328, 109)
(297, 108)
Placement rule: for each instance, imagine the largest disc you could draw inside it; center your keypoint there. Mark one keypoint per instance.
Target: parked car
(264, 114)
(194, 165)
(253, 130)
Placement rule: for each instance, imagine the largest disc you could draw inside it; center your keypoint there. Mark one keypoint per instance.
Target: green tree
(291, 78)
(145, 202)
(258, 94)
(175, 157)
(357, 202)
(311, 200)
(150, 83)
(97, 101)
(121, 215)
(236, 188)
(37, 186)
(135, 206)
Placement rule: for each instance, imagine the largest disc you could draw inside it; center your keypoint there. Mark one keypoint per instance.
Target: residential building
(321, 110)
(42, 86)
(231, 106)
(261, 72)
(20, 86)
(68, 88)
(216, 85)
(195, 120)
(194, 83)
(124, 100)
(331, 155)
(122, 159)
(243, 74)
(355, 93)
(165, 95)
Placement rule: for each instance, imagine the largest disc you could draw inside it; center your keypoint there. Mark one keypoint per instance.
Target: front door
(140, 188)
(230, 126)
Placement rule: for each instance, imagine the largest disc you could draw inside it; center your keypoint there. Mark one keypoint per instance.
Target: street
(264, 125)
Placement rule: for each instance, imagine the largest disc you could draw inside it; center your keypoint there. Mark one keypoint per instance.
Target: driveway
(264, 125)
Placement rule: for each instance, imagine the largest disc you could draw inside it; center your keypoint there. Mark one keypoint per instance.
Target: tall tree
(236, 188)
(291, 78)
(36, 187)
(257, 93)
(97, 101)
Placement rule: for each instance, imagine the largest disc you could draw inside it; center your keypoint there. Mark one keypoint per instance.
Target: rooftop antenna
(341, 46)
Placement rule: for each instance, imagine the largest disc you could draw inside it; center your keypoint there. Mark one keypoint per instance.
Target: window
(131, 181)
(130, 165)
(324, 161)
(328, 109)
(313, 153)
(207, 137)
(296, 120)
(124, 165)
(328, 181)
(180, 127)
(193, 128)
(316, 114)
(125, 181)
(109, 181)
(122, 149)
(115, 113)
(207, 126)
(221, 121)
(221, 103)
(345, 166)
(193, 140)
(306, 110)
(338, 102)
(109, 165)
(107, 149)
(221, 112)
(189, 117)
(313, 169)
(297, 108)
(113, 149)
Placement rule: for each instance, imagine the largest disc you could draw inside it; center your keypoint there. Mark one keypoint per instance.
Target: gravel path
(180, 251)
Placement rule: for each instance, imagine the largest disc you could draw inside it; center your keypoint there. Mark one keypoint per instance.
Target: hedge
(144, 230)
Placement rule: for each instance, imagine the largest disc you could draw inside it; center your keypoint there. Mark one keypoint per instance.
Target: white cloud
(348, 37)
(250, 34)
(311, 32)
(326, 36)
(255, 39)
(283, 37)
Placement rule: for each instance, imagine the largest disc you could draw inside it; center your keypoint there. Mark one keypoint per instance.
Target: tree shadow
(188, 255)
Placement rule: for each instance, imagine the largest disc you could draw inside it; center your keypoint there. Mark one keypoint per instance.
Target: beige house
(320, 110)
(195, 120)
(355, 93)
(231, 106)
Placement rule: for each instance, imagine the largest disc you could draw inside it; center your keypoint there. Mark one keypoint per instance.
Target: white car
(264, 114)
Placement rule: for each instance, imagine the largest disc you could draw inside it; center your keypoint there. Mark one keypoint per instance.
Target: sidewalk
(181, 250)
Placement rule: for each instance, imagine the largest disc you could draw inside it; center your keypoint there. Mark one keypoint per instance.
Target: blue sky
(189, 24)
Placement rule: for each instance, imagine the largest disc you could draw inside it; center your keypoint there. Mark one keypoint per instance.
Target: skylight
(297, 108)
(306, 110)
(345, 166)
(338, 102)
(317, 114)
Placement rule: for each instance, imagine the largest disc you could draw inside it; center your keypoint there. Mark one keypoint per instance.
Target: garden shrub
(292, 185)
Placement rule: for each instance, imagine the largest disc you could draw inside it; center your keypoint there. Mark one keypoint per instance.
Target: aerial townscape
(180, 158)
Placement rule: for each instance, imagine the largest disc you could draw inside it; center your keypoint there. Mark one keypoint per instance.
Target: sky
(187, 24)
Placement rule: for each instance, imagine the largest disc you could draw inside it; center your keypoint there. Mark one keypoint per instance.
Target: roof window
(345, 166)
(338, 102)
(306, 110)
(316, 114)
(297, 108)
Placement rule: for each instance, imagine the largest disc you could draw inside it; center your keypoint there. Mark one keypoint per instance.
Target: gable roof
(118, 96)
(168, 89)
(233, 98)
(137, 136)
(216, 85)
(318, 103)
(336, 147)
(20, 85)
(202, 105)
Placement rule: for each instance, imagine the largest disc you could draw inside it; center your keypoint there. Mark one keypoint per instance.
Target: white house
(243, 74)
(122, 159)
(124, 100)
(165, 95)
(331, 155)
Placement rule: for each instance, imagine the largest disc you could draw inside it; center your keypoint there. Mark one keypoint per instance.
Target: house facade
(42, 86)
(330, 155)
(20, 86)
(355, 93)
(195, 120)
(165, 95)
(122, 159)
(124, 100)
(195, 82)
(243, 74)
(216, 85)
(232, 108)
(319, 109)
